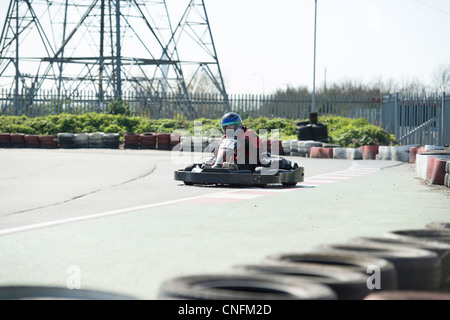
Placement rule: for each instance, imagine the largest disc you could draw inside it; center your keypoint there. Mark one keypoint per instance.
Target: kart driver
(239, 144)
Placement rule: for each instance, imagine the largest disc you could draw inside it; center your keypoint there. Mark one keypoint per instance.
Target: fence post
(445, 130)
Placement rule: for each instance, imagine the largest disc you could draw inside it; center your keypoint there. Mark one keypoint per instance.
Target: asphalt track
(125, 225)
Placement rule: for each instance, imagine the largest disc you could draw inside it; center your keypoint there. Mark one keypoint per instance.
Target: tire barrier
(32, 141)
(312, 131)
(348, 285)
(440, 248)
(81, 140)
(412, 154)
(304, 131)
(131, 141)
(96, 140)
(174, 140)
(111, 141)
(405, 262)
(286, 146)
(147, 140)
(294, 149)
(242, 287)
(347, 153)
(421, 235)
(321, 153)
(186, 143)
(5, 140)
(436, 171)
(408, 295)
(17, 140)
(417, 269)
(369, 152)
(56, 293)
(163, 141)
(199, 144)
(275, 147)
(213, 143)
(347, 261)
(439, 226)
(48, 142)
(66, 140)
(422, 162)
(398, 153)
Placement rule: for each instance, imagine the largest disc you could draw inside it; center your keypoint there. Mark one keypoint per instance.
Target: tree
(441, 78)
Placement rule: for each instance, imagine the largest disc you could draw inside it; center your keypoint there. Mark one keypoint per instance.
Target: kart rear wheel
(289, 184)
(188, 183)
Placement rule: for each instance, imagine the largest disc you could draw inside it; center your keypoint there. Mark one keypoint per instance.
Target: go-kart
(277, 170)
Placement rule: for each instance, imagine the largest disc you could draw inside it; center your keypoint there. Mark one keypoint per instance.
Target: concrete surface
(65, 210)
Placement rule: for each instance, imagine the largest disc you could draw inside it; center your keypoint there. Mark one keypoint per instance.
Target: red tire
(5, 140)
(32, 141)
(18, 140)
(48, 142)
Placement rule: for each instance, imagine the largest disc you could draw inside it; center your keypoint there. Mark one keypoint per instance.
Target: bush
(342, 131)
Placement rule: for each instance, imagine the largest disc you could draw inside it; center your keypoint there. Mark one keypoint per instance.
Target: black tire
(417, 269)
(439, 226)
(439, 235)
(242, 287)
(348, 285)
(289, 184)
(346, 261)
(320, 132)
(441, 249)
(304, 132)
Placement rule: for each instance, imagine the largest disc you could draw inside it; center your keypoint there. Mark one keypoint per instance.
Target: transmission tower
(107, 46)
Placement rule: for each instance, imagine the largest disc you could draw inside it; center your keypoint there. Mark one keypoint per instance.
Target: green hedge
(342, 131)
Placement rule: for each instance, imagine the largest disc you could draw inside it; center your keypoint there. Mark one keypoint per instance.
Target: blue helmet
(231, 118)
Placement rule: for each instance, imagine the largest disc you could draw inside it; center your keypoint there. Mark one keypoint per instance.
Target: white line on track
(354, 171)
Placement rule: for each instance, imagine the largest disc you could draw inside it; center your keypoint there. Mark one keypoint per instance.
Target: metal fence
(417, 120)
(170, 106)
(413, 120)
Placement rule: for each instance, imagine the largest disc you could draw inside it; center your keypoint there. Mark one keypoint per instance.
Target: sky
(267, 45)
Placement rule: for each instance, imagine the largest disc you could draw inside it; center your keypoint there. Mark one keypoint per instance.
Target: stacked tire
(32, 141)
(48, 142)
(111, 140)
(147, 140)
(18, 140)
(96, 140)
(163, 141)
(308, 131)
(403, 264)
(131, 141)
(81, 140)
(186, 143)
(199, 144)
(447, 174)
(175, 139)
(66, 140)
(304, 130)
(5, 140)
